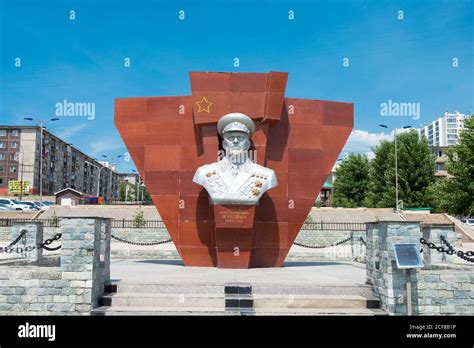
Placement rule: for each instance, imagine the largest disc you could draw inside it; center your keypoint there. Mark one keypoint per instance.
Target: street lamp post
(98, 176)
(139, 190)
(397, 203)
(41, 152)
(137, 183)
(21, 169)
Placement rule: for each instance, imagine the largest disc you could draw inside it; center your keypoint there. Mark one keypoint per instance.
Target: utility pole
(41, 162)
(21, 170)
(396, 170)
(397, 203)
(98, 176)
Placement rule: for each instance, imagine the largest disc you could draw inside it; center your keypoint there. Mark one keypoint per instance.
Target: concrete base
(167, 287)
(291, 274)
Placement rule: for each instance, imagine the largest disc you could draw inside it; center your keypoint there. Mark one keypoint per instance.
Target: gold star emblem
(258, 183)
(204, 105)
(208, 174)
(256, 192)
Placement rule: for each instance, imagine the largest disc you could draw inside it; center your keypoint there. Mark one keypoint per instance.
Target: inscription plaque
(233, 216)
(407, 256)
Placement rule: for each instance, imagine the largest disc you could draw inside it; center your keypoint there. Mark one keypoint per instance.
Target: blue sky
(82, 60)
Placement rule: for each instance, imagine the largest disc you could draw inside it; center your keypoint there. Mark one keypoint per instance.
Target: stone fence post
(433, 233)
(33, 236)
(372, 251)
(389, 282)
(105, 239)
(80, 259)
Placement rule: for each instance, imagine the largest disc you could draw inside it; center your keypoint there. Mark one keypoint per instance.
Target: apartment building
(62, 164)
(445, 130)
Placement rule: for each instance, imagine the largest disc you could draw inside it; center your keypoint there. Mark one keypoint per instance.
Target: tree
(139, 218)
(350, 186)
(146, 195)
(122, 191)
(416, 167)
(455, 195)
(379, 165)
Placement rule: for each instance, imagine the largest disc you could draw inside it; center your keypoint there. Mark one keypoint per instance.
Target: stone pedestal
(233, 234)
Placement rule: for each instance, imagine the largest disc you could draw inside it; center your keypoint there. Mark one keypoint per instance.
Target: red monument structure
(169, 138)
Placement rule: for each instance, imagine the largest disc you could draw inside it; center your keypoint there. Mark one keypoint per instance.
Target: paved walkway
(292, 273)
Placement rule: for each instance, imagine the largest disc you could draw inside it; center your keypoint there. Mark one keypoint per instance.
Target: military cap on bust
(235, 122)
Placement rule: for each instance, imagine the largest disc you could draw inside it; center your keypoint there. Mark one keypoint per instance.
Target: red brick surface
(168, 138)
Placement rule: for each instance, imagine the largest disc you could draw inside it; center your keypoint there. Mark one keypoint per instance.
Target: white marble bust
(235, 179)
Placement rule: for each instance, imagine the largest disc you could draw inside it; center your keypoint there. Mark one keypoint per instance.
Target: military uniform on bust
(231, 182)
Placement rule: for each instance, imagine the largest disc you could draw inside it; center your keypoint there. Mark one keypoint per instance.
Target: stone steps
(219, 288)
(164, 300)
(127, 310)
(203, 311)
(127, 298)
(219, 300)
(163, 288)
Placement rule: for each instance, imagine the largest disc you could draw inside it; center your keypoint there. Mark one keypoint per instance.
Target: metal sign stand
(408, 283)
(408, 257)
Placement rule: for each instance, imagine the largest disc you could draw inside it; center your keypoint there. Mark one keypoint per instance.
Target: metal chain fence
(8, 249)
(323, 246)
(467, 256)
(140, 243)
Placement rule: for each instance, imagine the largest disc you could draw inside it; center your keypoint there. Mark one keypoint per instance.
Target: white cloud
(70, 131)
(362, 142)
(103, 147)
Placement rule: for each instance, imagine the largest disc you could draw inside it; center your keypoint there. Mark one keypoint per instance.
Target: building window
(439, 166)
(1, 182)
(3, 132)
(13, 169)
(2, 157)
(14, 156)
(14, 145)
(15, 132)
(3, 144)
(2, 169)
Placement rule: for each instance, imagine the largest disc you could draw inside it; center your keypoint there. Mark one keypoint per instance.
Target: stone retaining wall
(35, 290)
(439, 288)
(444, 291)
(69, 284)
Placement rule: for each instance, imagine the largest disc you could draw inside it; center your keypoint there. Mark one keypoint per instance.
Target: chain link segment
(322, 246)
(465, 255)
(20, 250)
(8, 248)
(138, 243)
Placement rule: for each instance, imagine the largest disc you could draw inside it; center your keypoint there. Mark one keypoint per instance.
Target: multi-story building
(444, 131)
(109, 165)
(62, 164)
(130, 178)
(439, 152)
